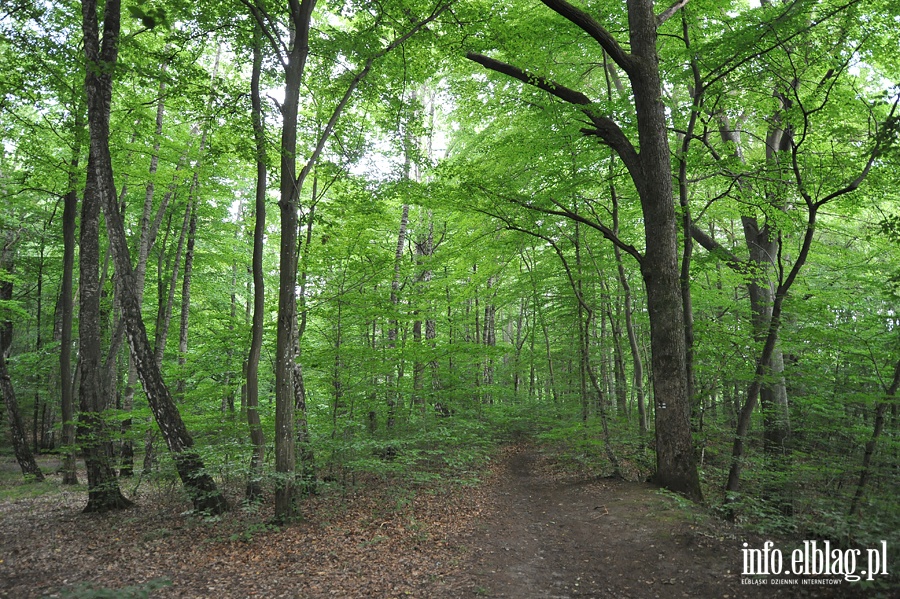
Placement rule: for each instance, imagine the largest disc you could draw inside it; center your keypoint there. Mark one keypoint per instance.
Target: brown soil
(525, 532)
(556, 536)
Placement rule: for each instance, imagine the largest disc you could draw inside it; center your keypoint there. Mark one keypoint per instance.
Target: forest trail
(559, 537)
(526, 531)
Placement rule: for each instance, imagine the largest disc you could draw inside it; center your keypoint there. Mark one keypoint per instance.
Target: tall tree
(257, 437)
(70, 210)
(651, 172)
(293, 54)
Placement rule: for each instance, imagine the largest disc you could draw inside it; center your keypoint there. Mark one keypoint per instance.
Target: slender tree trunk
(17, 428)
(192, 233)
(539, 315)
(489, 339)
(186, 296)
(70, 215)
(257, 438)
(149, 228)
(878, 428)
(167, 301)
(637, 362)
(392, 391)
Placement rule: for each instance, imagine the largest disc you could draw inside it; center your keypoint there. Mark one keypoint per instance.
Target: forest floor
(526, 530)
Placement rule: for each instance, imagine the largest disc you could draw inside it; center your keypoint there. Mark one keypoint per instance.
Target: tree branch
(604, 127)
(714, 247)
(881, 143)
(354, 83)
(589, 25)
(670, 12)
(560, 91)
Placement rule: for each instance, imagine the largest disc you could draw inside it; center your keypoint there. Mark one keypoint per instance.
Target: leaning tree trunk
(880, 409)
(100, 61)
(17, 429)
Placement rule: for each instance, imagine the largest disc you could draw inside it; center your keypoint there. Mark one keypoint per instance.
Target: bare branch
(670, 12)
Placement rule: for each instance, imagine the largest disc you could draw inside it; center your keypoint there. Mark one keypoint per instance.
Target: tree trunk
(189, 253)
(167, 301)
(257, 438)
(651, 171)
(70, 215)
(394, 324)
(103, 487)
(285, 458)
(101, 60)
(17, 428)
(148, 231)
(880, 409)
(676, 466)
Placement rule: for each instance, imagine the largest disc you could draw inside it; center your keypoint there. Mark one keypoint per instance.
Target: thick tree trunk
(103, 486)
(676, 466)
(98, 86)
(285, 448)
(651, 171)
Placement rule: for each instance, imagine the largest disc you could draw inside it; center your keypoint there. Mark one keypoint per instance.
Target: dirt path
(556, 537)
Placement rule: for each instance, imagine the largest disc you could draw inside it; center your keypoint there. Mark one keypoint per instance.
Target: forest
(258, 258)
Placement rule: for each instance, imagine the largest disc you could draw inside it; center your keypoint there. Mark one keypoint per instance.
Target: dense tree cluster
(290, 241)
